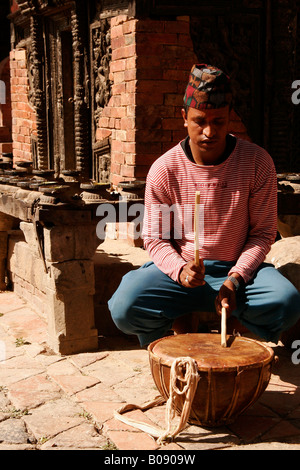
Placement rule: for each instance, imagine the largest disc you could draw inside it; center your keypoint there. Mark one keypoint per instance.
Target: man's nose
(209, 131)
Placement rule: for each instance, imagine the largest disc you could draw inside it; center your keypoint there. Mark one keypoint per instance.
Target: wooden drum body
(231, 378)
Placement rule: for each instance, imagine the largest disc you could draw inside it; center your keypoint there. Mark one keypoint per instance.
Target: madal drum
(231, 378)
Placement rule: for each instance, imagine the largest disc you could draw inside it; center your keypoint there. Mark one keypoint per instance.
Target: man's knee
(287, 297)
(120, 307)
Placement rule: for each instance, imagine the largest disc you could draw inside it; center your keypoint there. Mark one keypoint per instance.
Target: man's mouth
(208, 142)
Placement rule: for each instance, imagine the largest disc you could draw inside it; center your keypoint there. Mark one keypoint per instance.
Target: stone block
(73, 275)
(65, 242)
(285, 255)
(26, 266)
(30, 237)
(71, 321)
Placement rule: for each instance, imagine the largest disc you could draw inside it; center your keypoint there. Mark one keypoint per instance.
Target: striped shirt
(238, 209)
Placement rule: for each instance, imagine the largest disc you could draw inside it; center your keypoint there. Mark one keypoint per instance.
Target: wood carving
(81, 98)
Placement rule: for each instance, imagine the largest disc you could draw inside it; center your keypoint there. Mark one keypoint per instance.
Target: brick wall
(151, 60)
(23, 115)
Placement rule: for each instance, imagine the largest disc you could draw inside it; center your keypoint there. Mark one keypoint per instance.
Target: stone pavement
(51, 402)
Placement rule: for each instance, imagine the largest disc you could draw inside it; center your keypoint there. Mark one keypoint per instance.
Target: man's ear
(184, 116)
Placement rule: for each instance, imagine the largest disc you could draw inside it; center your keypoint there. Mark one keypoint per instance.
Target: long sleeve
(262, 221)
(157, 230)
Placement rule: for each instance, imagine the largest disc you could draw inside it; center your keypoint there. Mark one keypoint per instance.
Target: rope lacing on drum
(184, 372)
(184, 378)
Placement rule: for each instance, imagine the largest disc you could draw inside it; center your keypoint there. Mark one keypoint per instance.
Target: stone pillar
(69, 284)
(3, 256)
(6, 223)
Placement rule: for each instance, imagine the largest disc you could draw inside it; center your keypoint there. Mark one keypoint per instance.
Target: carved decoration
(81, 86)
(30, 6)
(37, 92)
(101, 163)
(101, 57)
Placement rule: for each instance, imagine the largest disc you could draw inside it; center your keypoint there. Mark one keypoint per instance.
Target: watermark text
(296, 94)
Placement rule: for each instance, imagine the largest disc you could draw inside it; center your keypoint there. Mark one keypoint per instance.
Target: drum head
(207, 351)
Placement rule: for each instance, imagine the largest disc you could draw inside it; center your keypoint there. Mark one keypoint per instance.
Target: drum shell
(222, 394)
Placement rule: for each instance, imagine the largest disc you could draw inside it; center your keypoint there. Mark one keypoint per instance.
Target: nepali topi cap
(208, 88)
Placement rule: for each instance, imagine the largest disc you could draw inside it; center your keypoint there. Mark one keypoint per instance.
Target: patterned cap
(208, 88)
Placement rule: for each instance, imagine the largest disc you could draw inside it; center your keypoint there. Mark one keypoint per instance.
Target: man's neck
(193, 154)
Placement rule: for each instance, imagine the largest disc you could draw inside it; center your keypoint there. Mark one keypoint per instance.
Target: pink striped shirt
(238, 209)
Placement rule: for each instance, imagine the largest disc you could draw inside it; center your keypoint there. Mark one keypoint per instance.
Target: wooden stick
(223, 328)
(196, 227)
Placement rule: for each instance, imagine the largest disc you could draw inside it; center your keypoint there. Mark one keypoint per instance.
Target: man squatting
(238, 185)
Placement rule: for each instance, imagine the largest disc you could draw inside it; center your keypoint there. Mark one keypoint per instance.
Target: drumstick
(196, 227)
(223, 328)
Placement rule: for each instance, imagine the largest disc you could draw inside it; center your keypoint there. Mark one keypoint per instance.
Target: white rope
(184, 379)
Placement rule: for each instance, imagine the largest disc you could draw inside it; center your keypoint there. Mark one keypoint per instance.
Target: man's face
(207, 130)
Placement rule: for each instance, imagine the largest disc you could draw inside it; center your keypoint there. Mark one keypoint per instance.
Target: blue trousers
(148, 301)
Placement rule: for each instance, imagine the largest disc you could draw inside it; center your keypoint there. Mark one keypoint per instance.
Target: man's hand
(227, 296)
(192, 275)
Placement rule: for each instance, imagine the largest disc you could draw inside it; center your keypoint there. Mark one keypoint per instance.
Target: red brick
(158, 38)
(115, 167)
(154, 135)
(116, 146)
(155, 98)
(131, 135)
(185, 40)
(102, 134)
(123, 52)
(172, 99)
(179, 135)
(128, 147)
(119, 157)
(127, 171)
(163, 86)
(152, 26)
(130, 159)
(103, 122)
(111, 123)
(131, 86)
(118, 89)
(177, 27)
(129, 26)
(172, 124)
(116, 20)
(141, 171)
(130, 111)
(152, 52)
(127, 123)
(148, 148)
(115, 179)
(118, 112)
(143, 159)
(130, 75)
(116, 31)
(130, 39)
(119, 77)
(128, 99)
(153, 73)
(118, 65)
(131, 63)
